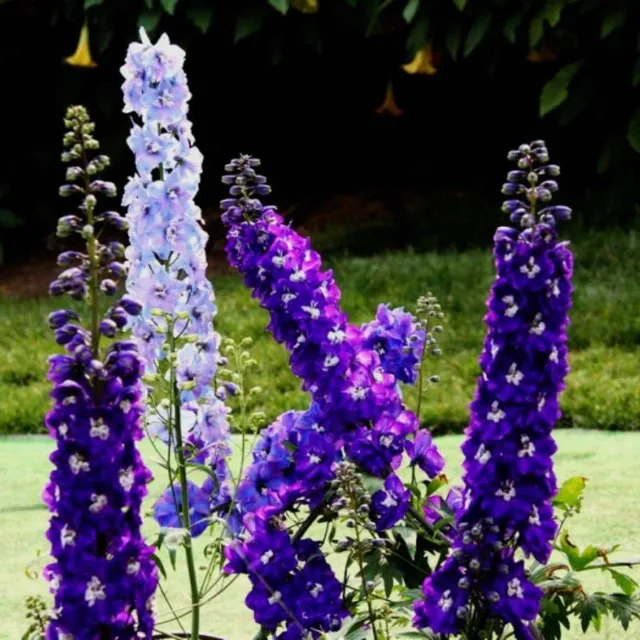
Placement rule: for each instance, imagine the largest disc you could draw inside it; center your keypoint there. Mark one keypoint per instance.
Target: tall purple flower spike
(103, 577)
(352, 375)
(509, 479)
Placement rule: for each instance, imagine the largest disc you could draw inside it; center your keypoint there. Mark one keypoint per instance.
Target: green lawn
(609, 460)
(605, 333)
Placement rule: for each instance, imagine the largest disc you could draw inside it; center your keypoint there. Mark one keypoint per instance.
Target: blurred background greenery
(395, 112)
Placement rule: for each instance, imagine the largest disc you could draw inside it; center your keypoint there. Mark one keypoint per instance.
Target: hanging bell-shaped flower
(305, 6)
(82, 55)
(389, 106)
(423, 62)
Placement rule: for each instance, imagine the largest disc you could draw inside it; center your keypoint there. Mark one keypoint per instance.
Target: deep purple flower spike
(103, 577)
(508, 469)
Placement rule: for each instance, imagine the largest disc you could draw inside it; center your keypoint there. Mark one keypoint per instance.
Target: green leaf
(461, 4)
(280, 5)
(9, 220)
(536, 29)
(554, 93)
(149, 19)
(201, 17)
(169, 6)
(510, 27)
(476, 33)
(577, 559)
(453, 40)
(625, 582)
(570, 493)
(173, 553)
(248, 24)
(158, 562)
(410, 10)
(92, 3)
(633, 132)
(613, 21)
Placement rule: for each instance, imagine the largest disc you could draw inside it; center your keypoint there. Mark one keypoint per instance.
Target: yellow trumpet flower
(423, 62)
(306, 6)
(82, 55)
(544, 54)
(389, 106)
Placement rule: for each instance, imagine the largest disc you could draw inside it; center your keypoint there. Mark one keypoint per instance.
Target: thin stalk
(186, 518)
(93, 267)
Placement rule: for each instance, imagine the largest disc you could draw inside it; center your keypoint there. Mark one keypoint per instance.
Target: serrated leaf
(248, 24)
(149, 19)
(201, 17)
(554, 93)
(92, 3)
(477, 32)
(510, 26)
(169, 6)
(633, 132)
(280, 5)
(453, 40)
(461, 4)
(625, 582)
(578, 560)
(410, 10)
(612, 21)
(570, 493)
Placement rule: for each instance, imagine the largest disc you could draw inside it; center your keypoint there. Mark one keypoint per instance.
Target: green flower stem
(186, 518)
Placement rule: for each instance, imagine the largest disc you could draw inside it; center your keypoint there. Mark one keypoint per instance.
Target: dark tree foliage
(337, 94)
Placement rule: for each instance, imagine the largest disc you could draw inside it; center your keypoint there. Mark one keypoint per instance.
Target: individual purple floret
(103, 577)
(509, 479)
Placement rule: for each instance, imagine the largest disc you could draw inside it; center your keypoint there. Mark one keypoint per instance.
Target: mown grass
(605, 333)
(609, 516)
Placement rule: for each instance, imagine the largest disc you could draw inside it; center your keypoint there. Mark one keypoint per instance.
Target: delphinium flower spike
(103, 577)
(509, 479)
(168, 275)
(356, 403)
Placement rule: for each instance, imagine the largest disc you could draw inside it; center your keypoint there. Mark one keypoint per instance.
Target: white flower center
(133, 567)
(336, 336)
(67, 536)
(125, 406)
(496, 414)
(527, 449)
(514, 376)
(125, 477)
(506, 491)
(534, 518)
(538, 327)
(77, 464)
(99, 429)
(531, 269)
(514, 589)
(512, 307)
(94, 591)
(98, 502)
(312, 310)
(483, 455)
(298, 275)
(275, 598)
(266, 556)
(331, 361)
(358, 393)
(446, 601)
